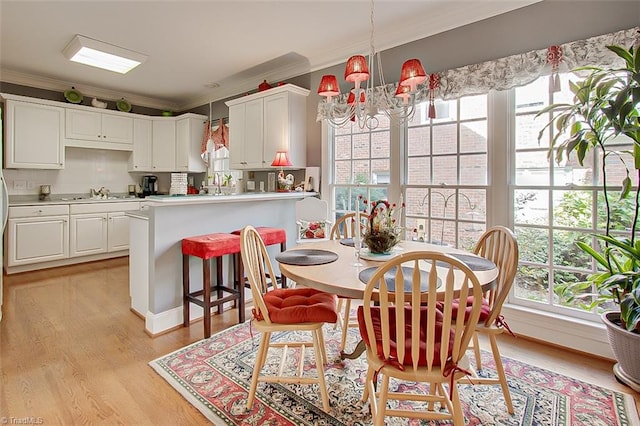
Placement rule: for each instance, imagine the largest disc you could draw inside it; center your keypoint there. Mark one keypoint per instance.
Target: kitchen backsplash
(84, 169)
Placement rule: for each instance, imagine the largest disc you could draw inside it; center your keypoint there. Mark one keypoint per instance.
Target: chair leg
(501, 375)
(339, 309)
(261, 357)
(458, 415)
(476, 351)
(346, 319)
(206, 297)
(367, 380)
(185, 291)
(323, 347)
(238, 284)
(318, 348)
(382, 401)
(219, 282)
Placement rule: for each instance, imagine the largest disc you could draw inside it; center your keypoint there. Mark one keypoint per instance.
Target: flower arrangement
(383, 233)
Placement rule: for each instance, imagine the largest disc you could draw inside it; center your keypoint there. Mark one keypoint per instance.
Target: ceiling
(192, 44)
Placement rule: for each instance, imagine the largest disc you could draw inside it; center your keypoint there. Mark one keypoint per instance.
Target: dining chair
(284, 309)
(345, 227)
(312, 220)
(420, 339)
(499, 245)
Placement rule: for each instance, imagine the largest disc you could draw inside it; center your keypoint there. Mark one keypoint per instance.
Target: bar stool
(271, 236)
(207, 247)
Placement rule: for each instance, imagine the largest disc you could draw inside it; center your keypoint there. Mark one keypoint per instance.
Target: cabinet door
(34, 136)
(189, 133)
(164, 145)
(140, 160)
(88, 234)
(117, 129)
(254, 134)
(237, 137)
(83, 125)
(33, 240)
(118, 232)
(276, 125)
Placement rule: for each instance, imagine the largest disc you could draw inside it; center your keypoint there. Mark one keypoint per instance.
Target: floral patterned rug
(214, 375)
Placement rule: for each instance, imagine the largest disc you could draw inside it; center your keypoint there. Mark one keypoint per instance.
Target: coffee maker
(149, 185)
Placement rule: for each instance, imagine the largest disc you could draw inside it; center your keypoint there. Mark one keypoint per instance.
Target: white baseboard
(579, 335)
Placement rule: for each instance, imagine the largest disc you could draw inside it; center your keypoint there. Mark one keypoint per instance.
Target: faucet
(218, 184)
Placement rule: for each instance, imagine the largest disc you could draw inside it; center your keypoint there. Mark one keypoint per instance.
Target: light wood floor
(71, 352)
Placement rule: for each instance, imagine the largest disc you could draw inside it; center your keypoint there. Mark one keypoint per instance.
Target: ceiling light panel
(102, 55)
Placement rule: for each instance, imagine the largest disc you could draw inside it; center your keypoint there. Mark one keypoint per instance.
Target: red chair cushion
(297, 305)
(211, 245)
(395, 340)
(485, 310)
(269, 235)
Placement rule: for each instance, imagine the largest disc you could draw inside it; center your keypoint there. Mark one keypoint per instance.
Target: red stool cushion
(211, 245)
(269, 235)
(406, 339)
(485, 310)
(297, 305)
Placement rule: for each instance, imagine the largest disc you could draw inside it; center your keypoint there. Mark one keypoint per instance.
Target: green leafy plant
(605, 109)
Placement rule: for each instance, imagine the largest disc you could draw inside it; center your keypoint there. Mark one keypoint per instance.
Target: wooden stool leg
(206, 284)
(185, 290)
(219, 282)
(283, 279)
(239, 285)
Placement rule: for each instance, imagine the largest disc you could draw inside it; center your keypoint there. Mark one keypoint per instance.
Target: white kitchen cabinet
(99, 227)
(33, 135)
(37, 234)
(189, 134)
(88, 234)
(265, 122)
(92, 129)
(141, 159)
(163, 147)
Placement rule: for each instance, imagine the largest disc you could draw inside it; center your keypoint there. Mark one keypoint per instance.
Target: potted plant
(606, 109)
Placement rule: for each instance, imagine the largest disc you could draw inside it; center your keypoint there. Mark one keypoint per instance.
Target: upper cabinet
(265, 122)
(94, 129)
(189, 134)
(33, 135)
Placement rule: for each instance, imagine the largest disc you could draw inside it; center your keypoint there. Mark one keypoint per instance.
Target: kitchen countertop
(174, 200)
(28, 200)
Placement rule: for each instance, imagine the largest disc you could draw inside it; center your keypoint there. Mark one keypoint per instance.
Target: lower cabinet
(37, 234)
(63, 234)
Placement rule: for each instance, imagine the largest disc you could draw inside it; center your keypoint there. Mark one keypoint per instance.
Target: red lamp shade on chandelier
(356, 70)
(281, 159)
(329, 87)
(412, 74)
(404, 93)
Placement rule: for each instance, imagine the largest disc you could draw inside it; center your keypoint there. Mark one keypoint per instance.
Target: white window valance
(511, 71)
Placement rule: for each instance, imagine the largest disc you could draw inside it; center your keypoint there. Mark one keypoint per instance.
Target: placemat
(347, 242)
(475, 263)
(390, 278)
(306, 257)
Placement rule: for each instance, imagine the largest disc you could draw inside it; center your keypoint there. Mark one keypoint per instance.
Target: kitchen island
(156, 244)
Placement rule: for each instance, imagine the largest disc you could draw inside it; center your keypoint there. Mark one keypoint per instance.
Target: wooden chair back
(441, 329)
(258, 268)
(345, 226)
(499, 245)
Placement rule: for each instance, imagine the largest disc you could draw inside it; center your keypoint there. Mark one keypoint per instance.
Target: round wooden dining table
(342, 278)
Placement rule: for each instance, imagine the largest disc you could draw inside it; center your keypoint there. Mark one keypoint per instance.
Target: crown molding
(47, 83)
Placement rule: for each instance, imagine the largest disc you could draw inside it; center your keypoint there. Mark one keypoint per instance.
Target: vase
(626, 348)
(381, 241)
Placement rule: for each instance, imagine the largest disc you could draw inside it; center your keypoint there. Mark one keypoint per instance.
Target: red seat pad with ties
(297, 305)
(485, 310)
(406, 339)
(269, 235)
(211, 245)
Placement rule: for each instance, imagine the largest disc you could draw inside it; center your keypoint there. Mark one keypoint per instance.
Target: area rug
(214, 375)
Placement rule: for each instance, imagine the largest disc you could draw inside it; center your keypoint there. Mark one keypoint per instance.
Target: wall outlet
(19, 185)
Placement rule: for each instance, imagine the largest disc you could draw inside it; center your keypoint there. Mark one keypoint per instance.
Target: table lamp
(282, 160)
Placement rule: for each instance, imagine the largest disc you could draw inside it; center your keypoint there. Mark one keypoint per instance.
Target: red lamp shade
(329, 87)
(412, 74)
(404, 93)
(356, 70)
(282, 159)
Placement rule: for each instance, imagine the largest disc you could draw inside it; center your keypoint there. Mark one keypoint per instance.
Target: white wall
(84, 169)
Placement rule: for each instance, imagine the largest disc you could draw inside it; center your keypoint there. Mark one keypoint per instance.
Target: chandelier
(364, 103)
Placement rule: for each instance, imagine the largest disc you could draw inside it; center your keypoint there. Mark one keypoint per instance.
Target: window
(555, 205)
(446, 172)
